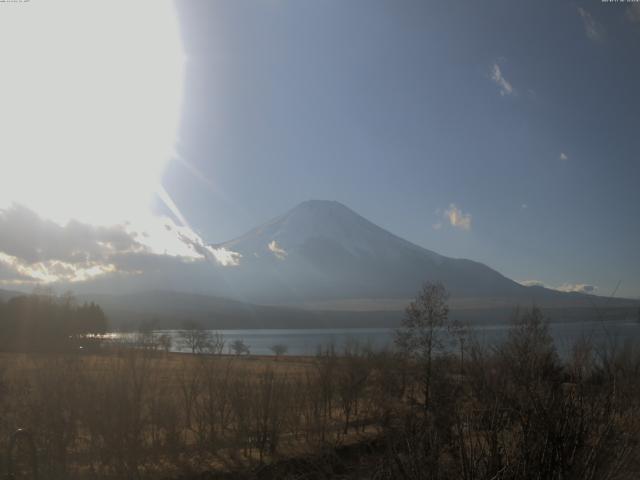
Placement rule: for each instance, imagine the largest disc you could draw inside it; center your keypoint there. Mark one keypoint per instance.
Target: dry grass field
(128, 413)
(512, 412)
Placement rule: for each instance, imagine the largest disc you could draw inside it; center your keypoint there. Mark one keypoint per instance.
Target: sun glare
(89, 106)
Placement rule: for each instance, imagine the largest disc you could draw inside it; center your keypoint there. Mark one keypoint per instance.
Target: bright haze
(154, 145)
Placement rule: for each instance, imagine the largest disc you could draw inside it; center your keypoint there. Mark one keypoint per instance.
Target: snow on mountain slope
(324, 250)
(330, 220)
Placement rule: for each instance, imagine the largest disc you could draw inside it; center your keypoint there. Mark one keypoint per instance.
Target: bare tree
(529, 350)
(460, 332)
(279, 350)
(238, 347)
(351, 382)
(194, 337)
(215, 343)
(165, 341)
(422, 332)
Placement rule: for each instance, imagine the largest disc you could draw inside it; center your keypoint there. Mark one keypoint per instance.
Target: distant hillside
(7, 294)
(170, 309)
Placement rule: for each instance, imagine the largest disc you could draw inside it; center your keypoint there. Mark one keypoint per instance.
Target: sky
(522, 115)
(504, 132)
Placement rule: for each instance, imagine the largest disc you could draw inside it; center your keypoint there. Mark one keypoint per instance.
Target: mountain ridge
(322, 250)
(323, 265)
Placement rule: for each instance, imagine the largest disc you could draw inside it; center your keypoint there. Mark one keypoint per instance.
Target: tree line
(43, 321)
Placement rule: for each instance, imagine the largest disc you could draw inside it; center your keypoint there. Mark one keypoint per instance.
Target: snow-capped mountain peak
(323, 249)
(320, 220)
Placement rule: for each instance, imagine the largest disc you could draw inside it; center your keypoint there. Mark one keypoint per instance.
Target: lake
(307, 341)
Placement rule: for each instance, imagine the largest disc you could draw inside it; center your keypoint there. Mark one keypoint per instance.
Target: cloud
(21, 272)
(578, 288)
(505, 86)
(220, 255)
(563, 156)
(224, 257)
(33, 249)
(592, 28)
(457, 218)
(10, 274)
(524, 206)
(437, 226)
(28, 237)
(278, 251)
(633, 13)
(565, 287)
(150, 271)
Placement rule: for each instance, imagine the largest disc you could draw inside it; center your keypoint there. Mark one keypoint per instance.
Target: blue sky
(524, 115)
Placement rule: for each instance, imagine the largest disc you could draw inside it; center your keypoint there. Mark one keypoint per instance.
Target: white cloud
(224, 257)
(578, 287)
(9, 272)
(437, 225)
(563, 156)
(51, 271)
(220, 255)
(18, 271)
(592, 28)
(457, 218)
(26, 235)
(524, 206)
(278, 251)
(565, 287)
(33, 249)
(505, 86)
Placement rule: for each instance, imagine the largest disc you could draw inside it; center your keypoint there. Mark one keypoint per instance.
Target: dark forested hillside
(45, 322)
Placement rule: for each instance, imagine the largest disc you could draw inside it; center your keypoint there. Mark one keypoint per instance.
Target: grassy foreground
(131, 413)
(513, 412)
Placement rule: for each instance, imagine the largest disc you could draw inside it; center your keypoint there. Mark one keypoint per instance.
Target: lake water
(307, 341)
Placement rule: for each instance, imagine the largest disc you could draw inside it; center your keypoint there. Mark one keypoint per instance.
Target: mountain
(323, 265)
(8, 294)
(322, 251)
